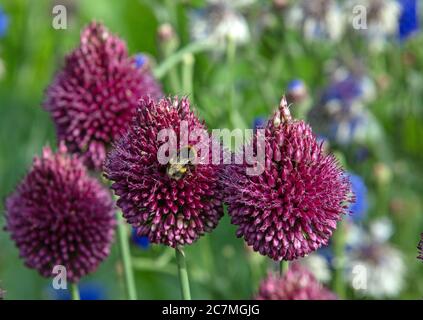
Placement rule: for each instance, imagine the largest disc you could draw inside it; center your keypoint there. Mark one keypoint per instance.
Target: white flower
(382, 266)
(318, 266)
(383, 269)
(381, 229)
(317, 19)
(217, 23)
(381, 20)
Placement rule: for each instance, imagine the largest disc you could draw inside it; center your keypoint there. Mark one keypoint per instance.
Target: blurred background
(358, 82)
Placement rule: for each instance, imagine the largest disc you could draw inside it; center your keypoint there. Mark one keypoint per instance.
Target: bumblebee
(180, 164)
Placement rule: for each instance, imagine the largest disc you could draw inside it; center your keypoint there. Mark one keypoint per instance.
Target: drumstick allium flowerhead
(93, 98)
(172, 203)
(292, 208)
(59, 215)
(420, 248)
(296, 284)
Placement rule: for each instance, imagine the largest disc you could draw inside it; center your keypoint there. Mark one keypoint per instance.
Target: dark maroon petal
(59, 215)
(93, 98)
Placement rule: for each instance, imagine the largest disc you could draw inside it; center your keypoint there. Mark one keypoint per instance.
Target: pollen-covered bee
(180, 164)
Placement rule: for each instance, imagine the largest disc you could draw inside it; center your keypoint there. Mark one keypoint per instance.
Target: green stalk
(339, 250)
(183, 273)
(235, 117)
(168, 49)
(174, 80)
(173, 59)
(74, 292)
(126, 257)
(283, 267)
(188, 74)
(230, 59)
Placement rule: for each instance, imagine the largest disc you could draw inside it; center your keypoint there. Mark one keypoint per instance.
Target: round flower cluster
(61, 216)
(172, 203)
(292, 208)
(296, 284)
(93, 98)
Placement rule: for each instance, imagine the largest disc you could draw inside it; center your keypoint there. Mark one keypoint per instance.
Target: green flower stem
(235, 117)
(75, 292)
(230, 60)
(188, 74)
(173, 59)
(126, 257)
(174, 80)
(339, 250)
(283, 267)
(183, 273)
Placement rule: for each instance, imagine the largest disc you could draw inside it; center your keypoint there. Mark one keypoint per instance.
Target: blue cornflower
(4, 22)
(344, 90)
(87, 291)
(408, 20)
(141, 241)
(296, 91)
(140, 60)
(359, 207)
(340, 113)
(322, 139)
(259, 123)
(296, 84)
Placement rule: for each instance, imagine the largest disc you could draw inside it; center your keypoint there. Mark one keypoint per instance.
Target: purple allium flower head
(420, 247)
(59, 215)
(292, 208)
(296, 284)
(94, 97)
(173, 203)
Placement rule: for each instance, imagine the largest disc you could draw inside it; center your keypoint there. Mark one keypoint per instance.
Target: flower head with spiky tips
(173, 203)
(292, 208)
(420, 248)
(59, 215)
(296, 284)
(93, 98)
